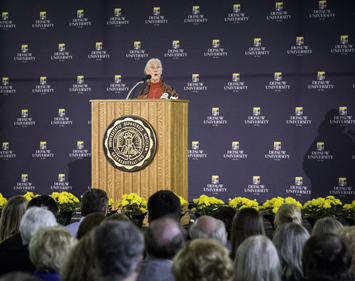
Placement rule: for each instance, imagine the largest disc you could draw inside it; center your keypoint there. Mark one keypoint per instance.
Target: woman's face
(154, 69)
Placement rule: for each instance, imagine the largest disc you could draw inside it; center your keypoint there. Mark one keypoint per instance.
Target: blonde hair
(11, 216)
(288, 212)
(326, 225)
(204, 259)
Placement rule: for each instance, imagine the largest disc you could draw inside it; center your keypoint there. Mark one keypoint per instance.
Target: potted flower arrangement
(349, 212)
(2, 202)
(29, 195)
(67, 206)
(242, 202)
(134, 207)
(206, 205)
(184, 205)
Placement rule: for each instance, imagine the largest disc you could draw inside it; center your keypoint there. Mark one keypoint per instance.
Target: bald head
(164, 238)
(208, 227)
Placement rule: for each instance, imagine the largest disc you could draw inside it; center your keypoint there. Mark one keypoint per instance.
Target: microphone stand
(140, 82)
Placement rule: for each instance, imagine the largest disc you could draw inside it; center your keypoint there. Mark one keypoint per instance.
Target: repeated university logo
(99, 53)
(79, 152)
(235, 153)
(298, 189)
(6, 23)
(277, 154)
(175, 52)
(196, 18)
(196, 85)
(61, 184)
(24, 184)
(299, 49)
(277, 84)
(117, 20)
(215, 51)
(43, 23)
(137, 53)
(322, 12)
(215, 119)
(196, 153)
(344, 47)
(80, 87)
(156, 19)
(257, 51)
(321, 83)
(256, 119)
(24, 56)
(117, 87)
(320, 154)
(343, 119)
(299, 119)
(61, 55)
(129, 143)
(61, 120)
(43, 152)
(5, 87)
(256, 188)
(237, 16)
(6, 153)
(43, 88)
(25, 120)
(342, 190)
(279, 14)
(215, 187)
(80, 21)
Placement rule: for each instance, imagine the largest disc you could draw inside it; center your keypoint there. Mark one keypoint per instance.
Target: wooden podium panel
(168, 169)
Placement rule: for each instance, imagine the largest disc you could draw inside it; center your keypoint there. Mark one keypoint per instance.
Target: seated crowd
(228, 245)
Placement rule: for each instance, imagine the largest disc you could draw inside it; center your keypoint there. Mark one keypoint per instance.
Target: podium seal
(129, 143)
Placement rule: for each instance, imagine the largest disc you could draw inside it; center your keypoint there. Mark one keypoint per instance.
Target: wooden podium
(169, 168)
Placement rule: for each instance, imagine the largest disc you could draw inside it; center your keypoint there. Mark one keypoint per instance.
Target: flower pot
(64, 218)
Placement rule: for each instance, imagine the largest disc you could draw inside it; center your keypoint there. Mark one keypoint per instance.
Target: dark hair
(90, 221)
(326, 254)
(162, 203)
(94, 201)
(225, 214)
(44, 201)
(163, 248)
(247, 222)
(19, 276)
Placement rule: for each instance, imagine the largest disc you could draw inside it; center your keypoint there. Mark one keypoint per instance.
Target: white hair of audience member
(289, 239)
(287, 213)
(256, 260)
(33, 219)
(49, 247)
(347, 233)
(118, 250)
(208, 227)
(326, 225)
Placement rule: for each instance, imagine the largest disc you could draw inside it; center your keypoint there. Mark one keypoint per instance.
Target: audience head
(326, 225)
(94, 201)
(79, 264)
(208, 227)
(225, 214)
(287, 213)
(11, 216)
(118, 250)
(247, 222)
(44, 201)
(289, 239)
(203, 260)
(119, 217)
(257, 259)
(164, 238)
(33, 219)
(49, 247)
(325, 255)
(162, 203)
(347, 233)
(90, 221)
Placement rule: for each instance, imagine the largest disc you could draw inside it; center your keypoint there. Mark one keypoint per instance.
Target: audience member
(119, 217)
(46, 202)
(256, 260)
(226, 214)
(162, 203)
(11, 216)
(118, 250)
(247, 222)
(48, 249)
(88, 223)
(289, 239)
(325, 257)
(14, 250)
(78, 265)
(203, 260)
(347, 233)
(287, 213)
(326, 225)
(93, 201)
(163, 239)
(19, 276)
(208, 227)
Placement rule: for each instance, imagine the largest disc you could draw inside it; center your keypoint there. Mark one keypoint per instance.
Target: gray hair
(347, 233)
(33, 219)
(50, 246)
(288, 212)
(289, 239)
(257, 260)
(118, 248)
(326, 225)
(153, 59)
(218, 233)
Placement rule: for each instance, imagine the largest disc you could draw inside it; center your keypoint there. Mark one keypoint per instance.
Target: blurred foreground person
(326, 225)
(163, 203)
(203, 260)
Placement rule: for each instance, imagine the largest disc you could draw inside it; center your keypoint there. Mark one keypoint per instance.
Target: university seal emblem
(129, 143)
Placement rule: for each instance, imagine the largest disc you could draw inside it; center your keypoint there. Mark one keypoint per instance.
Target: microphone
(147, 77)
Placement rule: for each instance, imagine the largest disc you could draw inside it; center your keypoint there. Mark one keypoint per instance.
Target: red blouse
(155, 91)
